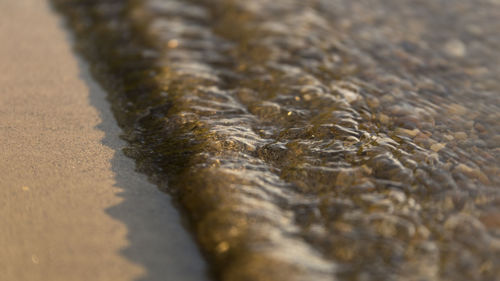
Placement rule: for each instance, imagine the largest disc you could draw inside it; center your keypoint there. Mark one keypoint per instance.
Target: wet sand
(71, 205)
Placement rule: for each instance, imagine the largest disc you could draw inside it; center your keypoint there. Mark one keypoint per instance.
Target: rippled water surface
(314, 139)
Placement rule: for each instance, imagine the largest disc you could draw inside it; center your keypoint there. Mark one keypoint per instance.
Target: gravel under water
(313, 139)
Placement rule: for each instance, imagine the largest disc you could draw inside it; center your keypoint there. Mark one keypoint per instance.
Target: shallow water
(314, 139)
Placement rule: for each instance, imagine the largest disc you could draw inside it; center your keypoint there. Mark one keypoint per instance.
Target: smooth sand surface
(71, 205)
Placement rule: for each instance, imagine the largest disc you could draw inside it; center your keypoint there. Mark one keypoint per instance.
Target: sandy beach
(71, 205)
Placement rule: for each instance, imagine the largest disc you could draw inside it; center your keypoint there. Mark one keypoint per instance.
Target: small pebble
(173, 43)
(438, 146)
(455, 48)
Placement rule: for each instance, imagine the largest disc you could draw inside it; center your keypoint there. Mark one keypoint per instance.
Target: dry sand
(71, 205)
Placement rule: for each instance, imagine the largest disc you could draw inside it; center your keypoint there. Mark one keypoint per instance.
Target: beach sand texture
(71, 205)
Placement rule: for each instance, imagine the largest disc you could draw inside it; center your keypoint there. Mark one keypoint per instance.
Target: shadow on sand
(157, 240)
